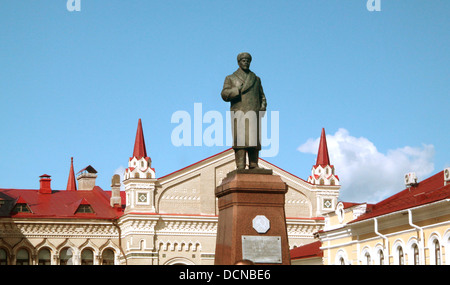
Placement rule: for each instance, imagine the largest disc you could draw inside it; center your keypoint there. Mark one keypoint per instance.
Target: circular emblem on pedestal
(261, 224)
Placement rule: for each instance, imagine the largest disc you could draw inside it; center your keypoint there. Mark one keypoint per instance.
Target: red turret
(139, 144)
(322, 157)
(71, 184)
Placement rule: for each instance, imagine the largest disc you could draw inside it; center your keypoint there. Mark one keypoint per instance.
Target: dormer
(84, 208)
(21, 206)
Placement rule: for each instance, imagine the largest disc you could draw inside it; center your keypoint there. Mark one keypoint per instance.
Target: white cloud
(367, 175)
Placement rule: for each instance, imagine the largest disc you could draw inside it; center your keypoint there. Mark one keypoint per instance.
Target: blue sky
(76, 83)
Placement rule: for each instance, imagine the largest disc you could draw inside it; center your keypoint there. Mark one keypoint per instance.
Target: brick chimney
(45, 184)
(115, 200)
(86, 179)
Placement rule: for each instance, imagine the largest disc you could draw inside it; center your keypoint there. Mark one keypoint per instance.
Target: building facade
(411, 227)
(155, 221)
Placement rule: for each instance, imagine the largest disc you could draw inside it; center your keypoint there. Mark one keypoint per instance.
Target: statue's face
(244, 63)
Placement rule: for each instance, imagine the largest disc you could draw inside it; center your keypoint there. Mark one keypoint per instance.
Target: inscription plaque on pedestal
(262, 249)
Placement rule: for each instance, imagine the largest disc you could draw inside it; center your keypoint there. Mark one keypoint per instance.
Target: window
(401, 256)
(23, 257)
(447, 251)
(381, 257)
(87, 257)
(437, 252)
(84, 209)
(108, 257)
(3, 257)
(65, 257)
(367, 256)
(21, 208)
(416, 254)
(44, 257)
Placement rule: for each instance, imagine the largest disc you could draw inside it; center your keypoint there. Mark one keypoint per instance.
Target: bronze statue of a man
(244, 91)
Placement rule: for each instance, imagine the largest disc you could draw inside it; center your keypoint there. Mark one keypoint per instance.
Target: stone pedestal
(252, 220)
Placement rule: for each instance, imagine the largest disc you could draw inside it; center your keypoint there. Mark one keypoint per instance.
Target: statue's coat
(251, 98)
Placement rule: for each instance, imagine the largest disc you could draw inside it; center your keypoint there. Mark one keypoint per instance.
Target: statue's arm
(229, 92)
(262, 97)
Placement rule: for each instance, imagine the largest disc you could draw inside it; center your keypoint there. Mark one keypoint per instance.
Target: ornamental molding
(183, 227)
(138, 226)
(178, 245)
(44, 230)
(143, 185)
(303, 230)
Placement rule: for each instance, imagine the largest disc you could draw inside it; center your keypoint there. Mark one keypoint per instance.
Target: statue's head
(244, 59)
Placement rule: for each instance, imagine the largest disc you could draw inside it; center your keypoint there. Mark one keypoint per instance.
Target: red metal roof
(427, 191)
(307, 251)
(60, 204)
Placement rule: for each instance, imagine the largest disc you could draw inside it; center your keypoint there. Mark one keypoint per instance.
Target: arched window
(367, 257)
(416, 254)
(44, 257)
(65, 257)
(437, 252)
(108, 257)
(447, 249)
(23, 257)
(3, 257)
(381, 256)
(341, 258)
(321, 182)
(87, 257)
(401, 256)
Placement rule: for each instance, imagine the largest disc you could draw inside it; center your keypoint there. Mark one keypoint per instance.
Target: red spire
(322, 157)
(139, 144)
(71, 184)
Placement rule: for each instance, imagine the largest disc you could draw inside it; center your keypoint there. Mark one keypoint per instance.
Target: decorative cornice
(57, 230)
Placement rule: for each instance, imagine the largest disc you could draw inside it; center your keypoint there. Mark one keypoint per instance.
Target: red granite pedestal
(252, 220)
